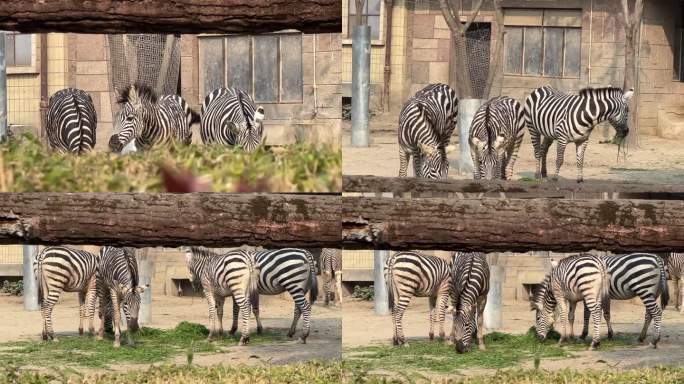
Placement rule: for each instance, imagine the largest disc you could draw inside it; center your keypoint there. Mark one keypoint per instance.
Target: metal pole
(492, 313)
(466, 111)
(29, 279)
(381, 299)
(360, 86)
(145, 271)
(3, 89)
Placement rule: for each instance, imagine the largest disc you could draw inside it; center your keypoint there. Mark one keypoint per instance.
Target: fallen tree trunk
(512, 224)
(209, 219)
(171, 16)
(512, 189)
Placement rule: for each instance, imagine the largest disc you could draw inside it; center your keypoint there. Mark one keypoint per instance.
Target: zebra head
(136, 105)
(463, 327)
(434, 163)
(130, 303)
(196, 259)
(491, 155)
(619, 113)
(543, 303)
(248, 132)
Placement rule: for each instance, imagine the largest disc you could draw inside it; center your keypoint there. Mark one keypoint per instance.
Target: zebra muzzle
(133, 324)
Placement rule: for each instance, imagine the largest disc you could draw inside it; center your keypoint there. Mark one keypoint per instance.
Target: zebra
(409, 274)
(495, 136)
(118, 287)
(234, 273)
(288, 269)
(230, 117)
(106, 308)
(675, 272)
(574, 278)
(426, 123)
(553, 115)
(632, 275)
(71, 121)
(147, 120)
(331, 266)
(468, 291)
(63, 269)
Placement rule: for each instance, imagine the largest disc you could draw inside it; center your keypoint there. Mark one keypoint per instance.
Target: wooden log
(164, 219)
(171, 16)
(517, 225)
(512, 189)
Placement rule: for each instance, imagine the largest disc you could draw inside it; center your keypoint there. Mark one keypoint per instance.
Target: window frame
(380, 41)
(24, 69)
(225, 37)
(678, 52)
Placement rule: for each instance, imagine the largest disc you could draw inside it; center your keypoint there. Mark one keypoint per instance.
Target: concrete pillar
(145, 272)
(380, 292)
(493, 319)
(30, 283)
(360, 86)
(3, 89)
(466, 111)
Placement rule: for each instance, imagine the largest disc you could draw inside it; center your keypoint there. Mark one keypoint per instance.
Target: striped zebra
(409, 274)
(118, 288)
(64, 269)
(233, 273)
(579, 277)
(495, 136)
(331, 267)
(469, 288)
(230, 117)
(636, 274)
(675, 272)
(71, 121)
(289, 270)
(552, 115)
(426, 123)
(147, 120)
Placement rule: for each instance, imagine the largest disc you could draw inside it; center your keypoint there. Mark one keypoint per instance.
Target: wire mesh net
(149, 59)
(478, 38)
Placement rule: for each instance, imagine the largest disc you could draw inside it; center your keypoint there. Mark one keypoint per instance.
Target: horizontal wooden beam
(171, 16)
(512, 189)
(518, 225)
(164, 219)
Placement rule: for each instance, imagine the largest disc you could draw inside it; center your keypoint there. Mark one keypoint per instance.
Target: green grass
(503, 350)
(28, 166)
(151, 345)
(310, 372)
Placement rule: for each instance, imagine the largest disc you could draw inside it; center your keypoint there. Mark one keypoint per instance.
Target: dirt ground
(324, 342)
(517, 319)
(656, 160)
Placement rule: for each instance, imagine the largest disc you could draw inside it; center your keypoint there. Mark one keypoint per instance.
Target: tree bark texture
(496, 225)
(171, 16)
(632, 23)
(140, 220)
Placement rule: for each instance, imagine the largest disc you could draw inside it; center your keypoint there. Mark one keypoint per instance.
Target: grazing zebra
(410, 274)
(675, 272)
(288, 269)
(426, 123)
(71, 121)
(495, 136)
(230, 274)
(230, 117)
(574, 278)
(632, 275)
(553, 115)
(117, 287)
(63, 269)
(331, 266)
(148, 120)
(469, 288)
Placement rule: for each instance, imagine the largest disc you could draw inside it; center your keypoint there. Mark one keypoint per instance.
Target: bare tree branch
(476, 11)
(496, 63)
(447, 11)
(359, 11)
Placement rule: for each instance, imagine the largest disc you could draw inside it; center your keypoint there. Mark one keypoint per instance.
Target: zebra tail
(665, 290)
(313, 282)
(38, 272)
(80, 124)
(605, 284)
(253, 293)
(389, 280)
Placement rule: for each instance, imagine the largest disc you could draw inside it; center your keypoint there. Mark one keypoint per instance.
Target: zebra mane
(131, 263)
(146, 93)
(242, 108)
(590, 90)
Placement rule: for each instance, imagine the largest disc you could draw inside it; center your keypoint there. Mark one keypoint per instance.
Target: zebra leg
(680, 293)
(417, 158)
(326, 287)
(571, 318)
(81, 311)
(536, 143)
(212, 315)
(245, 310)
(404, 157)
(397, 315)
(596, 320)
(562, 305)
(606, 315)
(117, 318)
(433, 316)
(295, 319)
(255, 310)
(338, 286)
(236, 311)
(560, 154)
(220, 300)
(46, 310)
(512, 156)
(306, 314)
(546, 144)
(442, 304)
(481, 303)
(647, 322)
(579, 149)
(585, 326)
(91, 298)
(657, 315)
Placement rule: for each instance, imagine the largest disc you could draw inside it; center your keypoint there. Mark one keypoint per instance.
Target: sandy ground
(517, 318)
(656, 160)
(324, 342)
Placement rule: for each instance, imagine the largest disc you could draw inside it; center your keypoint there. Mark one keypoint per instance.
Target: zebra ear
(259, 114)
(427, 149)
(554, 262)
(450, 148)
(499, 140)
(142, 289)
(232, 127)
(134, 98)
(628, 95)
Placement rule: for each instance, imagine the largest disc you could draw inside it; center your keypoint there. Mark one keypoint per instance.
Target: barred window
(370, 14)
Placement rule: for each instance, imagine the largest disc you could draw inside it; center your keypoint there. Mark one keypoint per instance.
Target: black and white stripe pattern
(230, 117)
(675, 272)
(410, 274)
(582, 277)
(233, 273)
(117, 287)
(147, 120)
(636, 274)
(331, 268)
(552, 115)
(63, 269)
(289, 270)
(469, 288)
(71, 121)
(426, 123)
(495, 136)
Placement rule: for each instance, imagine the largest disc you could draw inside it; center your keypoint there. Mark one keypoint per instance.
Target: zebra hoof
(260, 330)
(80, 331)
(243, 341)
(302, 340)
(610, 335)
(594, 346)
(432, 336)
(290, 334)
(210, 339)
(232, 332)
(117, 344)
